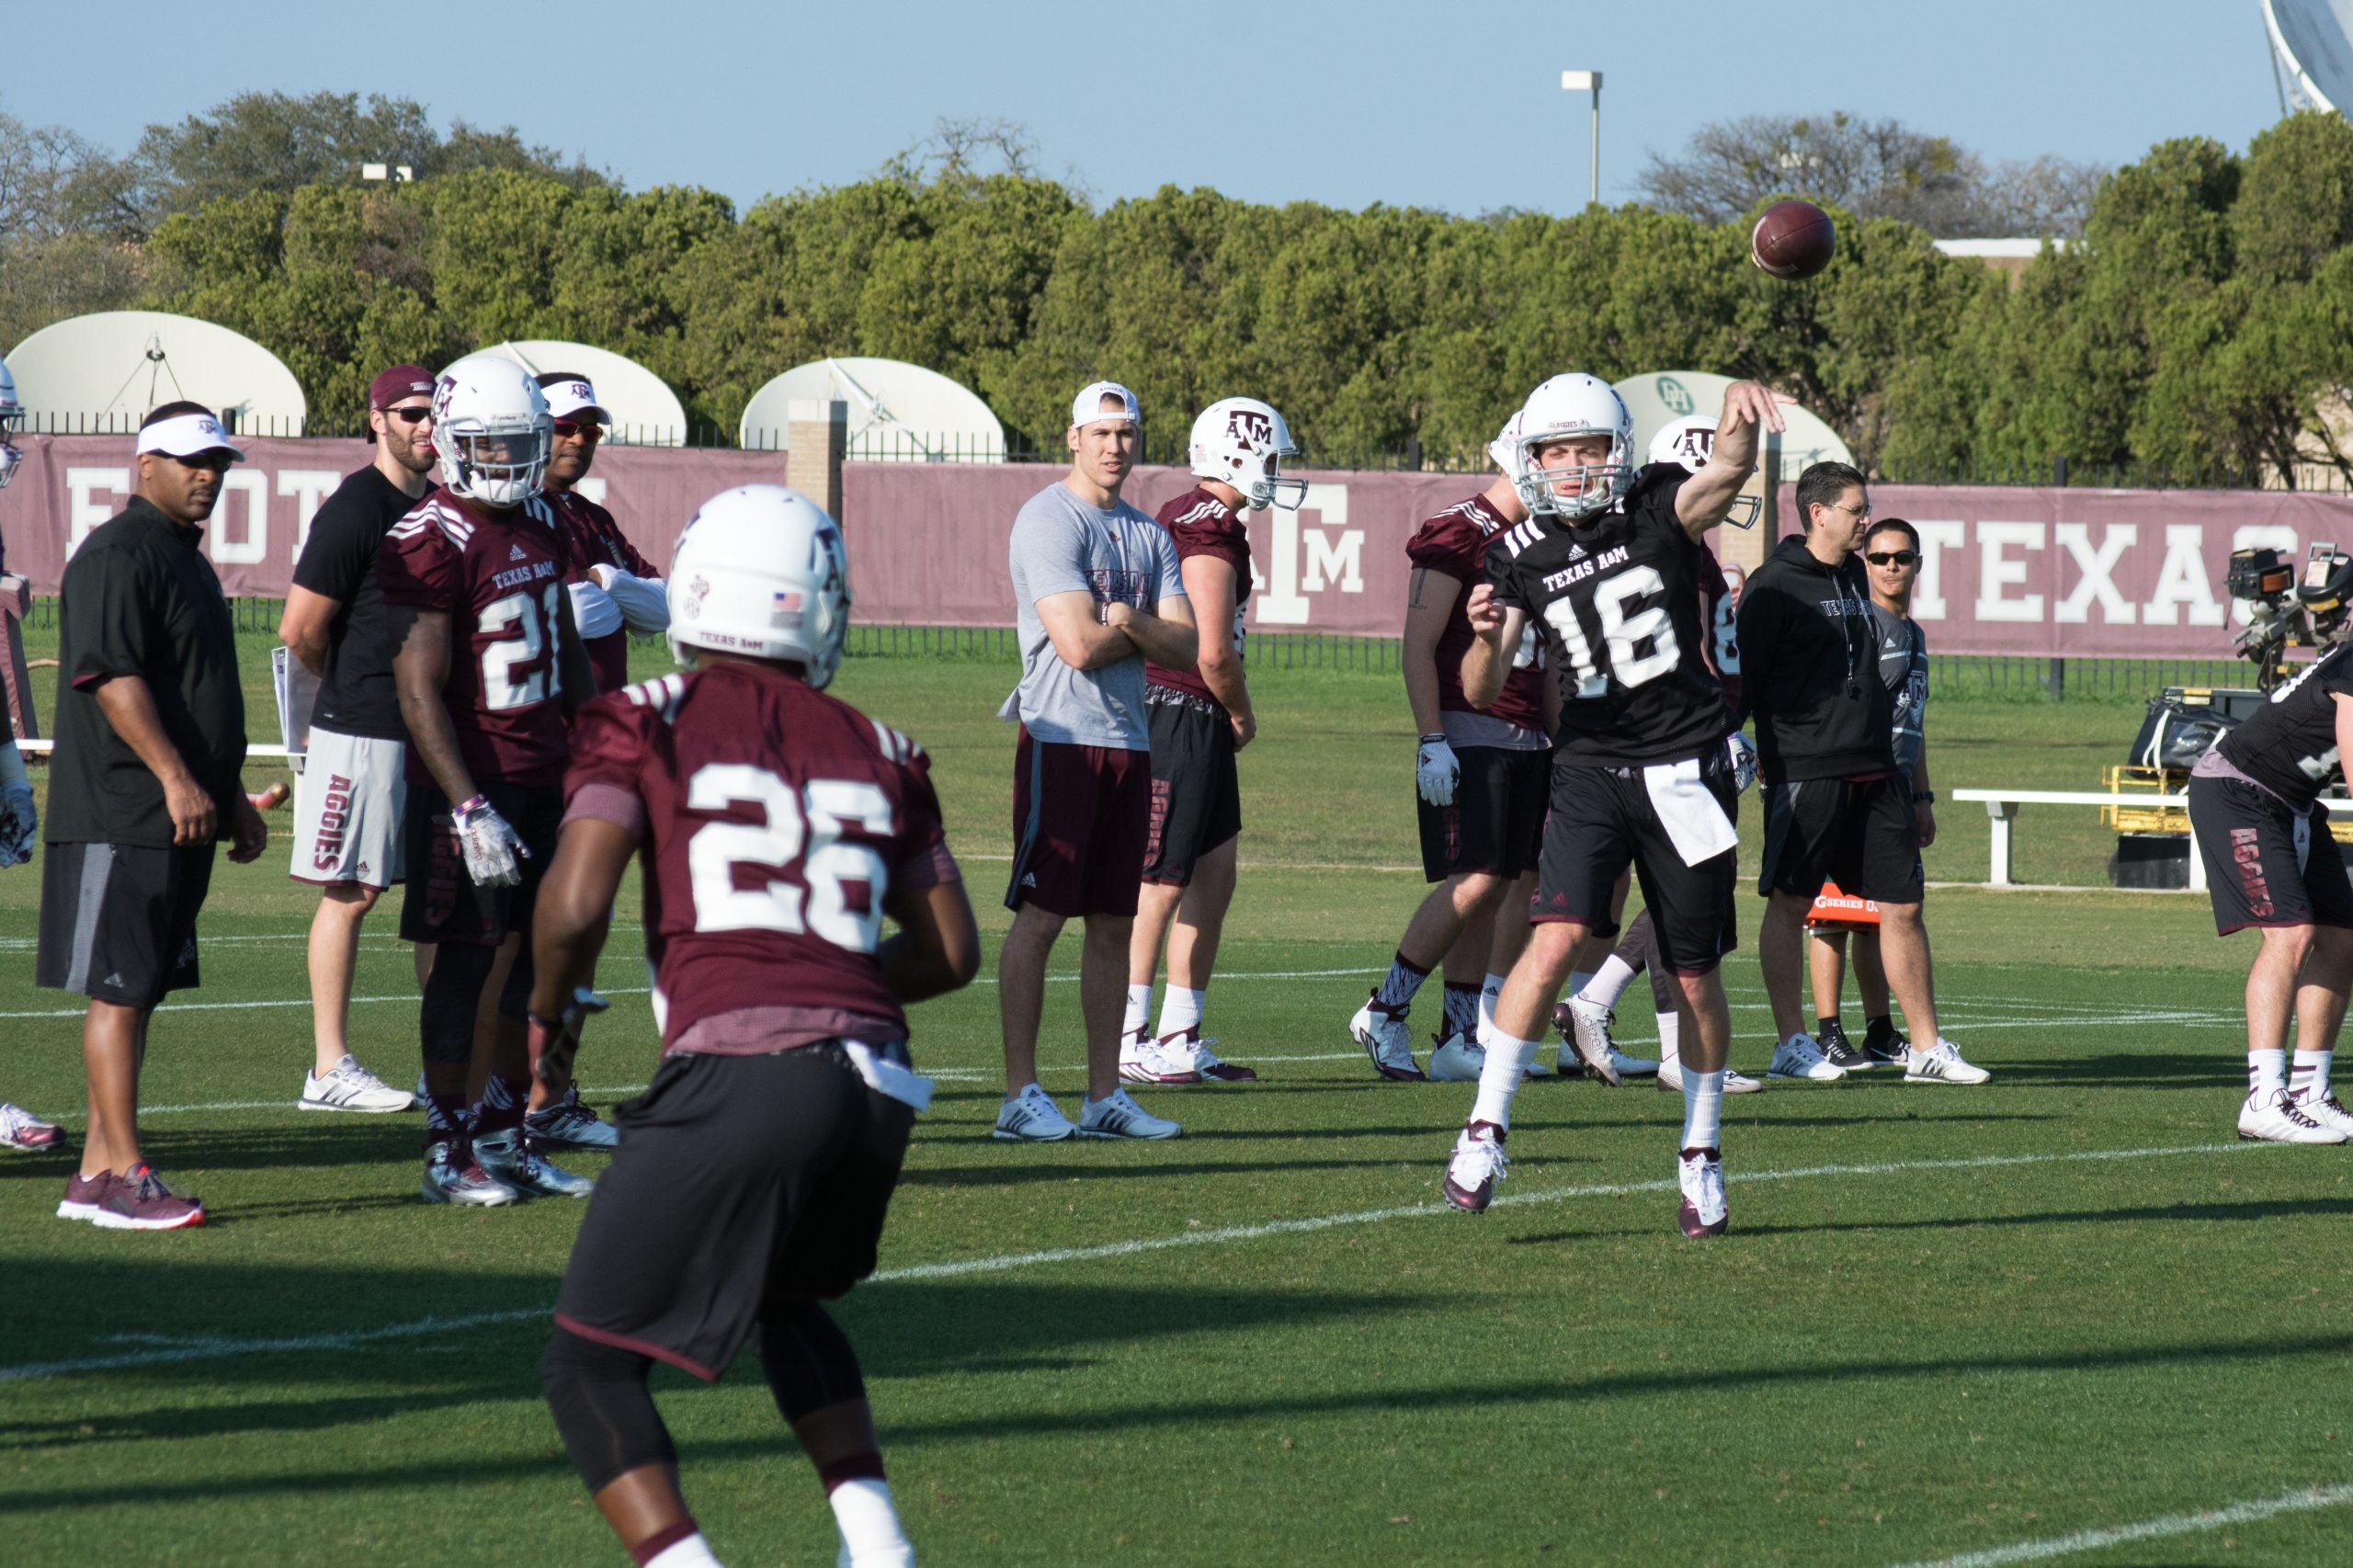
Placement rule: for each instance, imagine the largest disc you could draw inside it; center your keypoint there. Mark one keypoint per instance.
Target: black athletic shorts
(1865, 836)
(738, 1178)
(117, 921)
(1495, 822)
(1195, 794)
(2256, 874)
(1601, 819)
(441, 903)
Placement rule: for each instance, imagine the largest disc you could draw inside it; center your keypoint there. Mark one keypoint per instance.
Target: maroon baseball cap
(400, 381)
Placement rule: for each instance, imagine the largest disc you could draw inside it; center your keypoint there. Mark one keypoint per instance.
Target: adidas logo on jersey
(1577, 553)
(515, 552)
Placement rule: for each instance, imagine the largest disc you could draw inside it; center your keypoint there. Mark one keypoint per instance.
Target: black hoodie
(1809, 669)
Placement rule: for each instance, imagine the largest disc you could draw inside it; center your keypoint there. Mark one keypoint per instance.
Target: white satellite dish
(1659, 397)
(103, 372)
(2312, 52)
(645, 412)
(898, 412)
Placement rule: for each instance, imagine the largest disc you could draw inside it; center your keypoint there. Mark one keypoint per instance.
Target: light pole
(1584, 82)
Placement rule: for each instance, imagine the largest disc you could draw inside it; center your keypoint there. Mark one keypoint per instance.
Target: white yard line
(2302, 1501)
(214, 1349)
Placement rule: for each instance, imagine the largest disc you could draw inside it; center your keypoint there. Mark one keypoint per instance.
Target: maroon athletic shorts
(1081, 818)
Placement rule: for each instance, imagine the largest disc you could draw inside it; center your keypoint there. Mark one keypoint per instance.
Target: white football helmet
(761, 571)
(1691, 441)
(492, 430)
(1565, 407)
(1242, 442)
(12, 418)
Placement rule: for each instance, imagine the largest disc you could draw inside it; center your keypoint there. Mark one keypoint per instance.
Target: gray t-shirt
(1061, 544)
(1904, 669)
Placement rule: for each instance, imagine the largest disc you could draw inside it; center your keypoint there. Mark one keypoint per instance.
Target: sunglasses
(416, 413)
(211, 462)
(586, 431)
(1893, 557)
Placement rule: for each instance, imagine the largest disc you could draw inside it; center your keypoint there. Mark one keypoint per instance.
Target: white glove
(19, 822)
(1436, 770)
(490, 845)
(1744, 760)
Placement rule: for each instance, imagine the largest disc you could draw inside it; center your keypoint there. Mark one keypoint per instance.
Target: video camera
(2283, 613)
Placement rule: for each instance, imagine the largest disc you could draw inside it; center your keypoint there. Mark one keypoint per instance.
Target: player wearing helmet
(1609, 561)
(1200, 716)
(1479, 775)
(489, 670)
(777, 826)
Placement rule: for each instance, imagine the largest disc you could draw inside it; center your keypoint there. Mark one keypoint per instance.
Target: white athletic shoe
(1211, 1067)
(2326, 1109)
(465, 1184)
(1476, 1164)
(1117, 1115)
(1941, 1064)
(1632, 1066)
(2280, 1119)
(1387, 1039)
(1670, 1077)
(1588, 1036)
(507, 1156)
(1032, 1117)
(1798, 1057)
(1700, 1174)
(1458, 1059)
(350, 1086)
(1157, 1062)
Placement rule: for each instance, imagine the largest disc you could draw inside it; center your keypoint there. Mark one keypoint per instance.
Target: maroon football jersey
(499, 578)
(773, 821)
(1455, 543)
(597, 538)
(1200, 524)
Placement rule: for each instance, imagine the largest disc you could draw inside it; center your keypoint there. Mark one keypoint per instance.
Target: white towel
(889, 1078)
(1694, 820)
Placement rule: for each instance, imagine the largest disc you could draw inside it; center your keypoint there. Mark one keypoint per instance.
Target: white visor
(187, 435)
(569, 400)
(1087, 408)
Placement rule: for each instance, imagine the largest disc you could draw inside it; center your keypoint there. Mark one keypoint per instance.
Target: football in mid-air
(1793, 239)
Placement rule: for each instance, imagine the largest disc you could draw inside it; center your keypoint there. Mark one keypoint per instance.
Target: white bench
(2002, 806)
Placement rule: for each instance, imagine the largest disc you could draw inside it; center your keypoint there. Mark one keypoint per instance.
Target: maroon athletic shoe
(142, 1201)
(1700, 1174)
(1476, 1166)
(84, 1194)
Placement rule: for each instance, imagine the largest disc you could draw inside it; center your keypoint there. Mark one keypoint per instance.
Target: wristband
(1427, 739)
(472, 804)
(1924, 796)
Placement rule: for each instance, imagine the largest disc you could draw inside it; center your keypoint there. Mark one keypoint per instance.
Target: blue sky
(1457, 106)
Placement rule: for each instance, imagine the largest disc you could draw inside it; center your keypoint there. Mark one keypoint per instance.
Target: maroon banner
(2043, 572)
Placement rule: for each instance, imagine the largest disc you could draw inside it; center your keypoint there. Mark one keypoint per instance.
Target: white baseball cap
(185, 431)
(571, 396)
(1087, 408)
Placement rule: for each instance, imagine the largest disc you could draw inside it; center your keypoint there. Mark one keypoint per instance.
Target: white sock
(1139, 1009)
(1507, 1061)
(2310, 1079)
(1610, 982)
(1179, 1010)
(1578, 980)
(692, 1552)
(2267, 1073)
(1488, 993)
(1703, 1106)
(869, 1524)
(1670, 1037)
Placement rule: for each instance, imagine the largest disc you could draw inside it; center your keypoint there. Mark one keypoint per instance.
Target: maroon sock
(445, 1115)
(660, 1541)
(867, 1466)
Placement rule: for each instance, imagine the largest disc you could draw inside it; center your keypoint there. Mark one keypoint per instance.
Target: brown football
(1793, 239)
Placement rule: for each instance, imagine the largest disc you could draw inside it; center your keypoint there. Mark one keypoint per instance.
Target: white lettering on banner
(1331, 560)
(310, 487)
(86, 511)
(2099, 569)
(2182, 582)
(1937, 536)
(253, 549)
(1996, 571)
(2261, 536)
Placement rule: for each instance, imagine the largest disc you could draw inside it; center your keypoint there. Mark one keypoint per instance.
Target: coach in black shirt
(1836, 806)
(151, 739)
(349, 802)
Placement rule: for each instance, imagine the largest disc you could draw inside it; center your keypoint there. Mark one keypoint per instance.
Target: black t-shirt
(140, 599)
(2290, 748)
(356, 694)
(1618, 596)
(1904, 670)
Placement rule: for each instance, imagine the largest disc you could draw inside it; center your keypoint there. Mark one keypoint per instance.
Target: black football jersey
(1619, 598)
(2290, 748)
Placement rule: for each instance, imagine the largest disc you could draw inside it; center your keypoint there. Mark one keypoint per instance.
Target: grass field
(1945, 1321)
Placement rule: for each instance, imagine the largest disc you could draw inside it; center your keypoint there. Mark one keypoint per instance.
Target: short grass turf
(1944, 1321)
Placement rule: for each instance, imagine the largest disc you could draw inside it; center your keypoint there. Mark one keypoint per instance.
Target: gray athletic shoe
(1117, 1115)
(508, 1157)
(453, 1176)
(1032, 1117)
